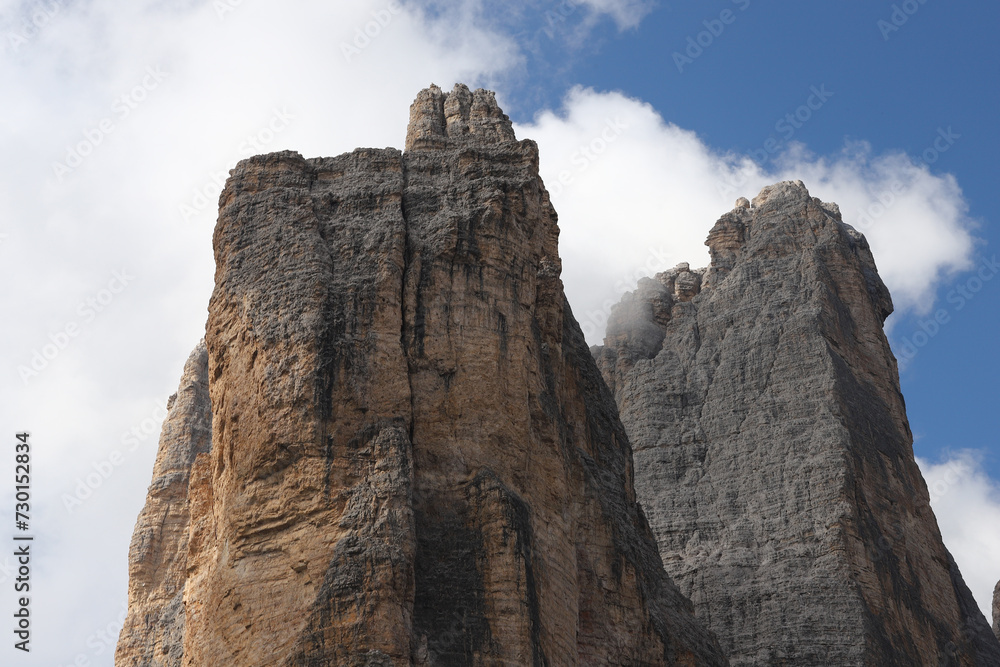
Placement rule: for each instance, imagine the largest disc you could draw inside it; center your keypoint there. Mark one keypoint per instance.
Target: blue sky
(164, 96)
(892, 87)
(895, 84)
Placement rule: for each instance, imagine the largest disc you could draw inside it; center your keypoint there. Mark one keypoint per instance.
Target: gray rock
(414, 459)
(996, 610)
(772, 453)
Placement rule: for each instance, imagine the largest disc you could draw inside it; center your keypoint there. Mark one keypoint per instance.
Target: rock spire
(414, 458)
(772, 452)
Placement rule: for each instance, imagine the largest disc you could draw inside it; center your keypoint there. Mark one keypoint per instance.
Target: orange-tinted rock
(153, 631)
(415, 460)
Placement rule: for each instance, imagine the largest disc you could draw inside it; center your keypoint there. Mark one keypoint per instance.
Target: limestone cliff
(154, 628)
(772, 452)
(414, 458)
(996, 610)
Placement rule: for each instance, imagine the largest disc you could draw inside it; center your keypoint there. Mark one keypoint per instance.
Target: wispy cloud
(108, 166)
(143, 197)
(966, 502)
(654, 184)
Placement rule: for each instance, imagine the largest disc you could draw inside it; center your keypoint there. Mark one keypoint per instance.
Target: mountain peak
(438, 119)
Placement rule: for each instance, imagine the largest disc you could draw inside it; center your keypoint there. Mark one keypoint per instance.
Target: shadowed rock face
(996, 610)
(773, 456)
(153, 631)
(414, 458)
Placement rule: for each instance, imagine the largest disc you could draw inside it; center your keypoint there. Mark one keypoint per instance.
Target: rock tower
(414, 459)
(772, 452)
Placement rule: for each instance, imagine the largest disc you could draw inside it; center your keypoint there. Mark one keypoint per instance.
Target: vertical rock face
(996, 610)
(154, 628)
(414, 458)
(773, 456)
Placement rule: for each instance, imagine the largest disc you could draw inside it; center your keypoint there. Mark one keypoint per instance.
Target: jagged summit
(395, 448)
(732, 233)
(773, 456)
(414, 460)
(437, 117)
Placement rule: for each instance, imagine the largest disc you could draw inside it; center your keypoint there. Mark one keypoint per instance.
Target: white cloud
(202, 88)
(626, 13)
(636, 193)
(966, 502)
(143, 200)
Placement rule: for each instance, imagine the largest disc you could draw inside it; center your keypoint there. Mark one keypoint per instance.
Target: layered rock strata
(414, 458)
(772, 451)
(153, 632)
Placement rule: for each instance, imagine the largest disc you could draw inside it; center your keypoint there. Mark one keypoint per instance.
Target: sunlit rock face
(414, 459)
(153, 632)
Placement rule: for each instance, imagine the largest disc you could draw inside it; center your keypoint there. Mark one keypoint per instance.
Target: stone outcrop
(772, 452)
(996, 610)
(414, 459)
(153, 631)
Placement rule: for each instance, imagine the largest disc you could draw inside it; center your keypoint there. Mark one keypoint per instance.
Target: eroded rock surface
(773, 456)
(153, 631)
(415, 460)
(996, 610)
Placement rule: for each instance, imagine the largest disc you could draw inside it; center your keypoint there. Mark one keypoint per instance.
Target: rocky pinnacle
(772, 451)
(414, 458)
(153, 631)
(996, 610)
